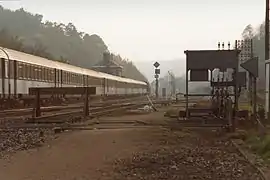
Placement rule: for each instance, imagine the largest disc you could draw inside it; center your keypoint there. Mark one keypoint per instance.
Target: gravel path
(184, 156)
(145, 154)
(14, 140)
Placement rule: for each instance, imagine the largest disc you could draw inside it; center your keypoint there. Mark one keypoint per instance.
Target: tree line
(23, 31)
(257, 34)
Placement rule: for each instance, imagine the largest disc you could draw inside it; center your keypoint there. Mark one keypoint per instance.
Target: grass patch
(260, 146)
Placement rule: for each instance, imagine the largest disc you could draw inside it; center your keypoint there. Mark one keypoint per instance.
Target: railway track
(60, 124)
(72, 112)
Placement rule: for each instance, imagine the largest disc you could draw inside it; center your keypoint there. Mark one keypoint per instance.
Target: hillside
(23, 31)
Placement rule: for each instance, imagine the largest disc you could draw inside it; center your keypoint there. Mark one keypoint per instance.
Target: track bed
(121, 152)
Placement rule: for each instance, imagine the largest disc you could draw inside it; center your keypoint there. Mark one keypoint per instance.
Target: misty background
(138, 33)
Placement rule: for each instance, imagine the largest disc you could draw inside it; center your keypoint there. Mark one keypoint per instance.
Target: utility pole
(157, 72)
(267, 53)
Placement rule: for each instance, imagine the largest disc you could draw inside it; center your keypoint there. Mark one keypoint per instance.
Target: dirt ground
(150, 153)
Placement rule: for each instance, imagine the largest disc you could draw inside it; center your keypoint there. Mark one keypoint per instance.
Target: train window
(40, 73)
(84, 80)
(6, 69)
(11, 69)
(21, 66)
(65, 77)
(20, 70)
(75, 79)
(44, 74)
(26, 71)
(31, 74)
(35, 72)
(83, 77)
(47, 75)
(72, 78)
(52, 75)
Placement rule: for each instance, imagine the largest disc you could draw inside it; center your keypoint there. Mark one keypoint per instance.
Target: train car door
(15, 76)
(3, 75)
(55, 77)
(61, 78)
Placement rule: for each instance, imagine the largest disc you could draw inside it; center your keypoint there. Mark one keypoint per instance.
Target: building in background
(108, 65)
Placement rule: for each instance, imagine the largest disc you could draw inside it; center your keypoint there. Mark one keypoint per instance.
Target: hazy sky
(148, 30)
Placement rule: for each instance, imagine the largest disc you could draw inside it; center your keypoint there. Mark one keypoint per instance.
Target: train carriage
(20, 71)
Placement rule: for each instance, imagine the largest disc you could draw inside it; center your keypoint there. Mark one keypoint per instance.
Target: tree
(248, 32)
(23, 31)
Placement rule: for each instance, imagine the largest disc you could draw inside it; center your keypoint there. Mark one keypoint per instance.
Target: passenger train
(20, 71)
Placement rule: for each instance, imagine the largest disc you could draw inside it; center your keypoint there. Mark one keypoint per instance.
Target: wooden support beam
(62, 90)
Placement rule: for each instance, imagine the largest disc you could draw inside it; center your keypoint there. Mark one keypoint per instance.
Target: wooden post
(86, 103)
(187, 110)
(230, 117)
(37, 109)
(254, 79)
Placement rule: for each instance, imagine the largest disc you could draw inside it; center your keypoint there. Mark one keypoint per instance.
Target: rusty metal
(222, 84)
(205, 60)
(203, 95)
(199, 75)
(58, 90)
(157, 71)
(211, 59)
(252, 66)
(221, 105)
(62, 90)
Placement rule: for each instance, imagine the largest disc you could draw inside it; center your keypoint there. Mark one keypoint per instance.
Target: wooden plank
(201, 95)
(62, 90)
